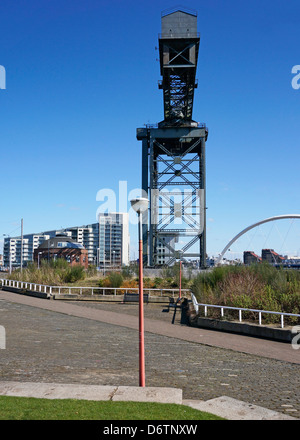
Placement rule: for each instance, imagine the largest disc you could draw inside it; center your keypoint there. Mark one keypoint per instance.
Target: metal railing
(60, 290)
(240, 311)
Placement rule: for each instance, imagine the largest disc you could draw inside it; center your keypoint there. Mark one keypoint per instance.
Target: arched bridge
(270, 219)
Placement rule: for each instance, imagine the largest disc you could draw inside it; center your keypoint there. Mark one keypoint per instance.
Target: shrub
(58, 263)
(45, 275)
(74, 274)
(130, 284)
(148, 283)
(157, 282)
(115, 279)
(91, 271)
(260, 286)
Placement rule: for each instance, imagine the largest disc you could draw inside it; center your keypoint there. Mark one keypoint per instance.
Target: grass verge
(29, 408)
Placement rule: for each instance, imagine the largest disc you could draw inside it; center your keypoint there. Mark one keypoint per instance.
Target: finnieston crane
(173, 152)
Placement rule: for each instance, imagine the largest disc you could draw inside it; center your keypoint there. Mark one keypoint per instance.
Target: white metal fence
(60, 290)
(240, 310)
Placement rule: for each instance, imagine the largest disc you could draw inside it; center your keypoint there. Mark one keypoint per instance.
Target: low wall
(261, 331)
(105, 298)
(26, 292)
(78, 297)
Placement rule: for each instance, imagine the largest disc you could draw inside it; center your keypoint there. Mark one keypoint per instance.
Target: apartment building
(250, 257)
(164, 248)
(12, 248)
(107, 242)
(271, 256)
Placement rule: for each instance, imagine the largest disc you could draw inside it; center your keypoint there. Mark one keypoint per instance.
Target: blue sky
(81, 76)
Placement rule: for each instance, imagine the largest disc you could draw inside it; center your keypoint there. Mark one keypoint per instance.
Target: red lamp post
(140, 205)
(180, 279)
(180, 272)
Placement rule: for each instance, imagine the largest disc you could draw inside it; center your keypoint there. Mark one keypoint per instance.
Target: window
(62, 244)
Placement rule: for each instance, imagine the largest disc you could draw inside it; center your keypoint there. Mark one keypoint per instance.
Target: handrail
(59, 289)
(240, 310)
(50, 289)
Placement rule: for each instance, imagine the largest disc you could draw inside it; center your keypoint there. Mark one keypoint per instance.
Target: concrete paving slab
(57, 391)
(233, 409)
(148, 394)
(91, 392)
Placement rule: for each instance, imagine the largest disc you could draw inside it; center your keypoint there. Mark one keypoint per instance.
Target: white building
(12, 248)
(113, 239)
(108, 248)
(107, 242)
(165, 247)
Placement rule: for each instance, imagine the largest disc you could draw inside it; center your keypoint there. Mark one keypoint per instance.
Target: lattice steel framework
(173, 168)
(178, 59)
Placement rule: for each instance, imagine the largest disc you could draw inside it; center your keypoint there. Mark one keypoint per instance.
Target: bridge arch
(270, 219)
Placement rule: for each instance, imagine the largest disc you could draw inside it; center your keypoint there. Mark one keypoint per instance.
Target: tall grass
(259, 286)
(54, 272)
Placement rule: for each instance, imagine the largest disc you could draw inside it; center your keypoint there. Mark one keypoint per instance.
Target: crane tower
(173, 152)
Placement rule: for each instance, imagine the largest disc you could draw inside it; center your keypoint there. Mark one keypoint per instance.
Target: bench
(173, 303)
(134, 297)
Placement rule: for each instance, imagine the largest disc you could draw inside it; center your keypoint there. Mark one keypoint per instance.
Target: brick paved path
(93, 343)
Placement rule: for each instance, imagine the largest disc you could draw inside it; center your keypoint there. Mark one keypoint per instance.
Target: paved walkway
(121, 317)
(50, 344)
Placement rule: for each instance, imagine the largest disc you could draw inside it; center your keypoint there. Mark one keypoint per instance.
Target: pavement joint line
(113, 394)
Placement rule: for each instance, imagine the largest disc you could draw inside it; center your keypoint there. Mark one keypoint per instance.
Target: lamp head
(139, 204)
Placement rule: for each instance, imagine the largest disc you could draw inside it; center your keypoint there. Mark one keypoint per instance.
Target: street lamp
(140, 205)
(40, 253)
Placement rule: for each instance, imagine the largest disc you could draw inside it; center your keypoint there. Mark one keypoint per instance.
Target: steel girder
(176, 213)
(178, 64)
(174, 179)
